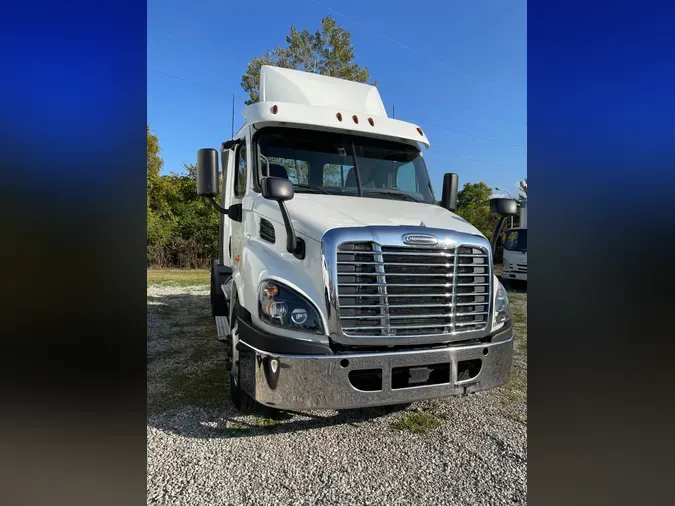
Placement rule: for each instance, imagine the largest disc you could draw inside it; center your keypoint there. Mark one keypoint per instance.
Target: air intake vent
(267, 231)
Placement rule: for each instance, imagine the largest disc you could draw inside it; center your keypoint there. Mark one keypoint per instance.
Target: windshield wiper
(393, 193)
(311, 187)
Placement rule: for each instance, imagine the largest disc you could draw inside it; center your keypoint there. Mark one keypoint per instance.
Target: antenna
(393, 111)
(232, 116)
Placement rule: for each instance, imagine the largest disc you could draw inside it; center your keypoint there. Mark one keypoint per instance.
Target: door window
(241, 172)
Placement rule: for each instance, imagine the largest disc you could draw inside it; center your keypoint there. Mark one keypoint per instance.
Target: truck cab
(340, 282)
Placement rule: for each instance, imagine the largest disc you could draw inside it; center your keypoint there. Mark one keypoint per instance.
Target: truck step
(227, 288)
(223, 326)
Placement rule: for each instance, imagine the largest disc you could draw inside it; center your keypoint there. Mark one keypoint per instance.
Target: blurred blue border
(74, 92)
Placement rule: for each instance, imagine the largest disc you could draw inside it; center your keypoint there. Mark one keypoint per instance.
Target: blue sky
(456, 68)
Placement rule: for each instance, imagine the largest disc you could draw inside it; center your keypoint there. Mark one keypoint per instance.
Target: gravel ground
(460, 450)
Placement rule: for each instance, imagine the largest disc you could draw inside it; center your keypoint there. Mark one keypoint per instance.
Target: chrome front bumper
(300, 382)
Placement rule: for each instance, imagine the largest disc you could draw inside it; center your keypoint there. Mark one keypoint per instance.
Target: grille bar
(385, 284)
(394, 306)
(399, 317)
(416, 253)
(416, 284)
(378, 327)
(423, 275)
(441, 295)
(409, 327)
(389, 263)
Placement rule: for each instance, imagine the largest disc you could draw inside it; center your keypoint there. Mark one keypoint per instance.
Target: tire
(243, 402)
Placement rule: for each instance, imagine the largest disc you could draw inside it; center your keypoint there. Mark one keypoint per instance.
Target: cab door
(224, 228)
(234, 168)
(237, 192)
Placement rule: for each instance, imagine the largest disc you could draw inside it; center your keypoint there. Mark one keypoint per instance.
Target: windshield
(516, 240)
(338, 164)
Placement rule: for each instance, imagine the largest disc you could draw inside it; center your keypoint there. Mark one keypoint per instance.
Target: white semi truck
(515, 248)
(340, 282)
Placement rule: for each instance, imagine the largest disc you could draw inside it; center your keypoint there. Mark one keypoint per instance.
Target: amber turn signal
(271, 290)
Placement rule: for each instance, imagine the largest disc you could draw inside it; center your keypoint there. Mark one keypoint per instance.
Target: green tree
(473, 204)
(182, 227)
(154, 166)
(328, 51)
(195, 235)
(159, 217)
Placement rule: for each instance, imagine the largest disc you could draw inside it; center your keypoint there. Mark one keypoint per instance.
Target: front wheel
(241, 400)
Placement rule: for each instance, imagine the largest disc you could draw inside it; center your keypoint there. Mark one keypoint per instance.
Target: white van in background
(515, 249)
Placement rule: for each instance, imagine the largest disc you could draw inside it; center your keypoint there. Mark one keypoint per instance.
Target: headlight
(502, 310)
(281, 306)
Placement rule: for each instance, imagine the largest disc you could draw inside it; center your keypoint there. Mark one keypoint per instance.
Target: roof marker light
(420, 131)
(356, 119)
(339, 116)
(370, 120)
(275, 109)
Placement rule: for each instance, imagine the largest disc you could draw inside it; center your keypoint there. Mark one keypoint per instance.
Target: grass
(417, 422)
(515, 391)
(519, 317)
(178, 277)
(266, 422)
(208, 388)
(236, 429)
(191, 365)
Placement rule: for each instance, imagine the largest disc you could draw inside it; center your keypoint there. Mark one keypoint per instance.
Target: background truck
(340, 281)
(515, 248)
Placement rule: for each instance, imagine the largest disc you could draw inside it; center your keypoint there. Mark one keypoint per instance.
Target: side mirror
(449, 198)
(504, 207)
(281, 190)
(207, 172)
(277, 188)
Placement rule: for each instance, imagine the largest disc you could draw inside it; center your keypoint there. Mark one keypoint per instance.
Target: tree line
(182, 227)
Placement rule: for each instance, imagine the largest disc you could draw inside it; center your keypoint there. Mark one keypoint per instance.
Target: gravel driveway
(461, 450)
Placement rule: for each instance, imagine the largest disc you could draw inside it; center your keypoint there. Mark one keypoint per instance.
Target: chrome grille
(411, 291)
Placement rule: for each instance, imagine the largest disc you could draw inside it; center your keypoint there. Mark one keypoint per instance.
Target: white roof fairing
(296, 87)
(305, 100)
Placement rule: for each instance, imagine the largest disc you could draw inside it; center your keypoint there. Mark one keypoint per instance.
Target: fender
(260, 261)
